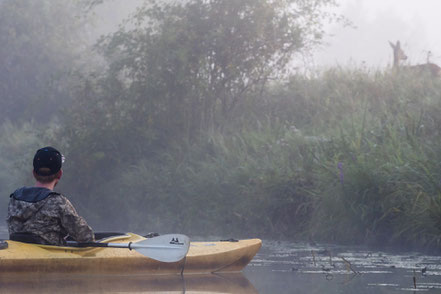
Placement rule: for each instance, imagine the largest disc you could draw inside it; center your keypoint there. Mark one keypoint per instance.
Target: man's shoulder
(57, 198)
(57, 202)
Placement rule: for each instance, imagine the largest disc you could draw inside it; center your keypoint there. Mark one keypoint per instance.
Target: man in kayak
(39, 213)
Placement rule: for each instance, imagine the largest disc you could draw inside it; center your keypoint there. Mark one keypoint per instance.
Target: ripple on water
(383, 285)
(376, 269)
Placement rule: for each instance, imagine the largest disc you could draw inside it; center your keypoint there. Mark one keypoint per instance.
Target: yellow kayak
(202, 258)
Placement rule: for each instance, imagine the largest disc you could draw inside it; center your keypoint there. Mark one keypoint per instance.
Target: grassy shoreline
(347, 156)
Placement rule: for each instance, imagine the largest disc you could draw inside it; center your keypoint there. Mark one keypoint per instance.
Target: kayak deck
(203, 257)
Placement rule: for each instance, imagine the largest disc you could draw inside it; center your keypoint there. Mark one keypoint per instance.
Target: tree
(176, 70)
(187, 65)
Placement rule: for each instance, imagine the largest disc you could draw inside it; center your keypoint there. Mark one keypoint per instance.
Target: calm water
(280, 267)
(295, 268)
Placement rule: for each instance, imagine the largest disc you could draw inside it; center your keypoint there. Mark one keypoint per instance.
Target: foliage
(379, 171)
(187, 65)
(40, 46)
(192, 126)
(177, 71)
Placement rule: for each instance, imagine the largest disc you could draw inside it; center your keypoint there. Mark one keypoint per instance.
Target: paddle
(165, 248)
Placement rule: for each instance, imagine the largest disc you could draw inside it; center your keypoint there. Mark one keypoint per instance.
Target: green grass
(346, 156)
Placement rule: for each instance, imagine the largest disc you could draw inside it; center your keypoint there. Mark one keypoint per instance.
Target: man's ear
(59, 174)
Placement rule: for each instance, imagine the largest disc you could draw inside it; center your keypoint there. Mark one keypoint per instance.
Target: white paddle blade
(165, 248)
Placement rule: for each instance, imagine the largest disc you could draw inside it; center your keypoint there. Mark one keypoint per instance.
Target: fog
(375, 22)
(189, 117)
(364, 42)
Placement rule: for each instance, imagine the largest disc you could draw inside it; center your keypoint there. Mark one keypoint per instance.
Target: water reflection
(284, 267)
(59, 283)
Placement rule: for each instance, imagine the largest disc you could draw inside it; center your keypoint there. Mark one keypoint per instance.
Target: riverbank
(347, 157)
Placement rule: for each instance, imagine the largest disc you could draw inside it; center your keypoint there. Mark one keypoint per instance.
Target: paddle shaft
(166, 248)
(115, 245)
(129, 245)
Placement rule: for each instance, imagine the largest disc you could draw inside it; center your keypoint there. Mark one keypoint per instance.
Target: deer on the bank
(427, 67)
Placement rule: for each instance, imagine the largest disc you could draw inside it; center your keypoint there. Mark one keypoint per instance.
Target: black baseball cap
(47, 161)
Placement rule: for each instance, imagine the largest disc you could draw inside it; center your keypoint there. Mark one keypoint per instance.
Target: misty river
(279, 267)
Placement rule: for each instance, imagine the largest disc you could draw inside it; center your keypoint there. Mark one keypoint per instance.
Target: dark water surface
(280, 267)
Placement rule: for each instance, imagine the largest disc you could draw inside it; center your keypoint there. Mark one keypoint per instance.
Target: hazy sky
(416, 23)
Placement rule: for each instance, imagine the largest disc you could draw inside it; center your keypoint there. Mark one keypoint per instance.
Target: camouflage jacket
(46, 214)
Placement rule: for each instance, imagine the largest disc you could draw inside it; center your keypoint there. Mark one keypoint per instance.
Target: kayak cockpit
(34, 239)
(101, 238)
(72, 246)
